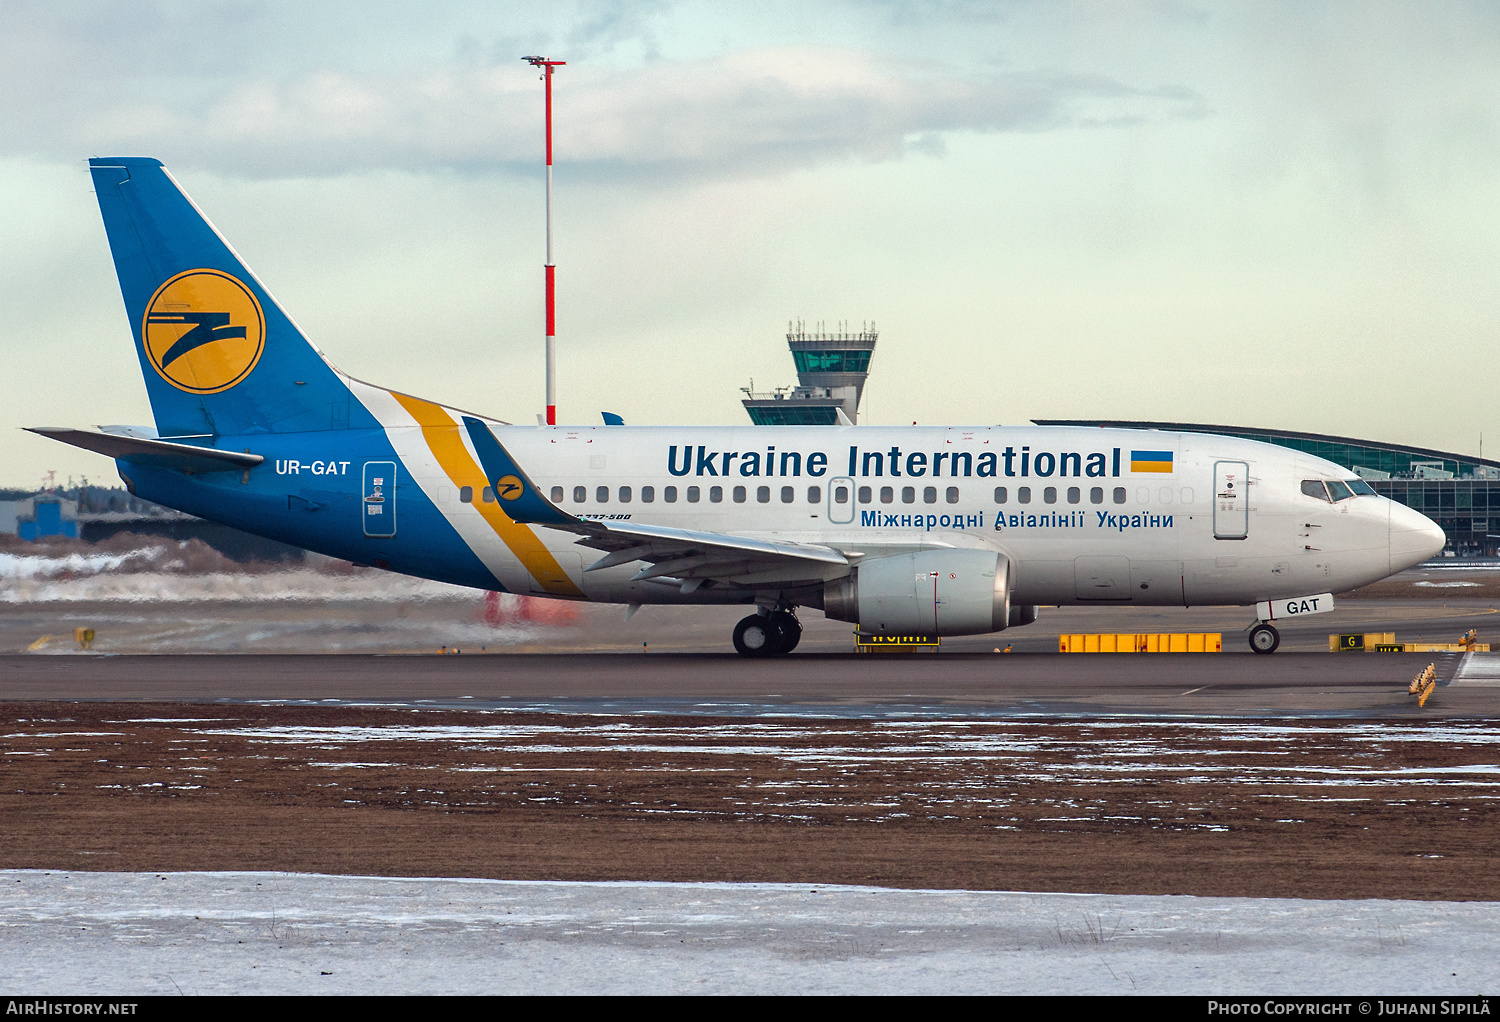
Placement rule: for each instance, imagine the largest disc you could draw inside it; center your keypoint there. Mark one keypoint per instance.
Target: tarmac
(1046, 685)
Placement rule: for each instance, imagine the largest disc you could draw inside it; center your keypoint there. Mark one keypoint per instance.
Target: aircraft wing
(677, 556)
(164, 453)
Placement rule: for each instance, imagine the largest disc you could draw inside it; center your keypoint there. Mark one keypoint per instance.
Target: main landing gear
(1264, 638)
(770, 634)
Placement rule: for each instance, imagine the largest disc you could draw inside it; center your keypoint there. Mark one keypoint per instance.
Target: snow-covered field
(217, 933)
(298, 585)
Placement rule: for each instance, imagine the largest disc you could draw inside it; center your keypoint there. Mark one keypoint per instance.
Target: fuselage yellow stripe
(447, 446)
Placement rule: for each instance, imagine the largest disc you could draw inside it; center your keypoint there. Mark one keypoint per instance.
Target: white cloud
(753, 111)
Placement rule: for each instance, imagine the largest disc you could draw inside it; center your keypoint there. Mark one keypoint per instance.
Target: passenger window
(715, 494)
(557, 494)
(466, 494)
(1050, 494)
(763, 494)
(648, 494)
(488, 495)
(1166, 494)
(669, 494)
(1075, 495)
(693, 494)
(1187, 494)
(580, 494)
(1023, 495)
(739, 494)
(1338, 491)
(1314, 488)
(908, 494)
(865, 496)
(887, 494)
(1096, 495)
(929, 495)
(952, 494)
(625, 495)
(841, 494)
(601, 494)
(1001, 496)
(815, 495)
(1142, 495)
(788, 494)
(1119, 495)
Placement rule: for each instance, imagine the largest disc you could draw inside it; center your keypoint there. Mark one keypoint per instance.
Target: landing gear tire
(791, 631)
(1264, 639)
(758, 635)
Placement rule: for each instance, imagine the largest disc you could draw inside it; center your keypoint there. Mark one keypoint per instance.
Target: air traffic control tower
(831, 372)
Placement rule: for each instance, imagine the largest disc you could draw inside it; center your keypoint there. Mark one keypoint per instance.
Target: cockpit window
(1360, 487)
(1314, 488)
(1339, 491)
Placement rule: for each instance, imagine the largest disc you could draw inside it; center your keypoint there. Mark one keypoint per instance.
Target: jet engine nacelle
(934, 592)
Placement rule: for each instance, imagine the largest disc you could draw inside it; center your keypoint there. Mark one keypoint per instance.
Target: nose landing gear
(763, 635)
(1264, 638)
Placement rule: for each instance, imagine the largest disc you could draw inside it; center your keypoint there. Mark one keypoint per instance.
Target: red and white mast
(550, 269)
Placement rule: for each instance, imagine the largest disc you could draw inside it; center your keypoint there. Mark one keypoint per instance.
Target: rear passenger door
(379, 498)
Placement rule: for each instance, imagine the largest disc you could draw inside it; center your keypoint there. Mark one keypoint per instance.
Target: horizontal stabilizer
(162, 453)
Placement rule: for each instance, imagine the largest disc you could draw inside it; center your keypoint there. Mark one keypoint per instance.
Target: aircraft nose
(1414, 537)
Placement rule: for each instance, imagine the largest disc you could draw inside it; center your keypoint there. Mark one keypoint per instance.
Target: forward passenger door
(1231, 500)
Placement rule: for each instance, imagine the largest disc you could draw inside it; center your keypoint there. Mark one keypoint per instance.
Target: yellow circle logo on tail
(509, 488)
(204, 331)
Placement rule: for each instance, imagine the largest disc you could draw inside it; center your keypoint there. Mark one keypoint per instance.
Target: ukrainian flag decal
(1150, 461)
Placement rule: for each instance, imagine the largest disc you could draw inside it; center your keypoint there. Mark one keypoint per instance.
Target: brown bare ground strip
(1322, 809)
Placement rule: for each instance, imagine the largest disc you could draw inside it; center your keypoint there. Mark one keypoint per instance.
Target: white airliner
(935, 531)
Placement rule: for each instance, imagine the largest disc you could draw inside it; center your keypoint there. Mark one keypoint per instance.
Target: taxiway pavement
(1196, 685)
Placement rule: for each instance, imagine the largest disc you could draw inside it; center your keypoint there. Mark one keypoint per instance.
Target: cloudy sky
(1276, 214)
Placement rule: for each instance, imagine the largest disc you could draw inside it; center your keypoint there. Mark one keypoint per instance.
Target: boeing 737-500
(936, 531)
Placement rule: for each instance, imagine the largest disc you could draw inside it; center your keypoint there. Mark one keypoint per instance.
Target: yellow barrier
(1126, 642)
(1385, 642)
(881, 643)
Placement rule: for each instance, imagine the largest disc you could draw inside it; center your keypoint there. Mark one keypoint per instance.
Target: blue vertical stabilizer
(218, 353)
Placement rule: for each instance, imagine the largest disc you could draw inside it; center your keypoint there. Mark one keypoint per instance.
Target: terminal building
(1459, 492)
(831, 371)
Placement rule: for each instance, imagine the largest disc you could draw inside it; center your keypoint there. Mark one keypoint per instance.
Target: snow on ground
(26, 584)
(221, 933)
(14, 567)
